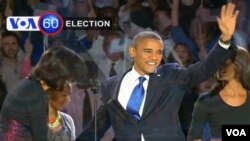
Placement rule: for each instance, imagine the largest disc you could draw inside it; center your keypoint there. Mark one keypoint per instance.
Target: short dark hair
(145, 35)
(59, 65)
(13, 34)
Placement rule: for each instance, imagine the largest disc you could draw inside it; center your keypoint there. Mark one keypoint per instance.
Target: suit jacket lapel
(113, 100)
(116, 86)
(151, 91)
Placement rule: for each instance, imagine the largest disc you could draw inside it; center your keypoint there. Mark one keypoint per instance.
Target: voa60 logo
(20, 23)
(48, 23)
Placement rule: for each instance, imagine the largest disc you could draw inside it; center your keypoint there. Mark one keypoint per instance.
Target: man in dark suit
(158, 91)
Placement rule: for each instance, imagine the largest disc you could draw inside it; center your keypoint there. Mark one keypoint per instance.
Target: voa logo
(236, 132)
(22, 23)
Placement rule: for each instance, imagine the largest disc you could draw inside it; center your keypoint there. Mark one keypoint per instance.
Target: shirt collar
(135, 75)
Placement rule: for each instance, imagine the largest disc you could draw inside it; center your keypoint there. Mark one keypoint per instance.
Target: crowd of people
(162, 71)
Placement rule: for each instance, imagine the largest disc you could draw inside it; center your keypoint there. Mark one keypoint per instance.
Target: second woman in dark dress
(228, 103)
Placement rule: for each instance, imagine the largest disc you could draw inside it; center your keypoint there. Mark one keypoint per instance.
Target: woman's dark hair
(59, 65)
(242, 62)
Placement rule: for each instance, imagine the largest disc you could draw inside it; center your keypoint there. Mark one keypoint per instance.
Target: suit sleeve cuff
(224, 45)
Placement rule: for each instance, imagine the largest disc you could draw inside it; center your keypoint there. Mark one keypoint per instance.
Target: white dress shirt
(130, 80)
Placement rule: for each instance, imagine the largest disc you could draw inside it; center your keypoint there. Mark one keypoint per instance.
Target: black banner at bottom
(235, 132)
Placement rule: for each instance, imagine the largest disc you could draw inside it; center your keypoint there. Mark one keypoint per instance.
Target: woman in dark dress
(24, 114)
(228, 103)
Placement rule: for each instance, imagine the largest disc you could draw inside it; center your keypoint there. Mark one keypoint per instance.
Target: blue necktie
(136, 98)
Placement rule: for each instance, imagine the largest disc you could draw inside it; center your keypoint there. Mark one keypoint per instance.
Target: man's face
(10, 47)
(147, 55)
